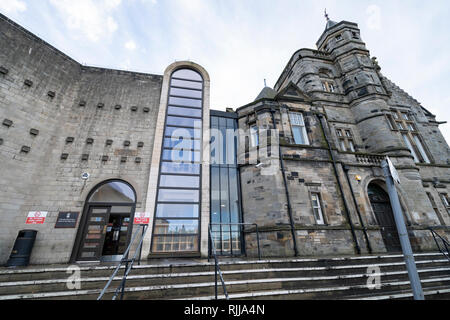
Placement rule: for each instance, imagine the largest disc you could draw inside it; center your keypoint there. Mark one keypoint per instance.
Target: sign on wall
(142, 218)
(36, 217)
(67, 220)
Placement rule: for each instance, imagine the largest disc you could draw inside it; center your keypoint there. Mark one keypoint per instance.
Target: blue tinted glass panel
(214, 122)
(180, 195)
(165, 210)
(179, 181)
(298, 135)
(185, 102)
(187, 74)
(186, 93)
(182, 143)
(174, 167)
(215, 196)
(184, 122)
(181, 155)
(183, 132)
(187, 84)
(179, 111)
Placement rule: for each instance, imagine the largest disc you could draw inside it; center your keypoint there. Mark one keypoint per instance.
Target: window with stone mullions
(346, 140)
(405, 123)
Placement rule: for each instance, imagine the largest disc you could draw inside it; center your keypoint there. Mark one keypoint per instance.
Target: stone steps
(60, 272)
(303, 278)
(314, 275)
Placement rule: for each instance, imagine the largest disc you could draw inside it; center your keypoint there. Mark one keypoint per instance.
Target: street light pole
(416, 286)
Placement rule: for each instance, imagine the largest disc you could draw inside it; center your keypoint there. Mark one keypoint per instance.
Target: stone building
(301, 162)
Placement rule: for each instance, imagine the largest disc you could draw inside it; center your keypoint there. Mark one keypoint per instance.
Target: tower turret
(361, 84)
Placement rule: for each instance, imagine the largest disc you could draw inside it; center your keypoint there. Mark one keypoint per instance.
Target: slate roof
(266, 93)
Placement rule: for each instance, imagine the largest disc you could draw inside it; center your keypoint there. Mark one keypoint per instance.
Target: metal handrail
(128, 265)
(217, 270)
(446, 244)
(242, 224)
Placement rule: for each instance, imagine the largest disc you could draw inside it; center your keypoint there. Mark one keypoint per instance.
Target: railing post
(129, 265)
(125, 273)
(140, 249)
(257, 240)
(215, 276)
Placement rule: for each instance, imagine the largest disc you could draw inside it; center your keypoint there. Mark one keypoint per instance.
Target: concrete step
(139, 284)
(60, 272)
(305, 278)
(314, 273)
(433, 289)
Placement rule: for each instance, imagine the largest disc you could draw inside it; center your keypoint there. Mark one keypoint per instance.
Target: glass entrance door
(106, 234)
(94, 234)
(117, 233)
(105, 230)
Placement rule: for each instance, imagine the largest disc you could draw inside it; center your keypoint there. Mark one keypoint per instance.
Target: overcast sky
(243, 42)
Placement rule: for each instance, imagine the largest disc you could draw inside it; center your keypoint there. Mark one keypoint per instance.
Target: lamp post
(391, 174)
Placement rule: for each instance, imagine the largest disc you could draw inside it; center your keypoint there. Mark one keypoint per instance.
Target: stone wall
(65, 104)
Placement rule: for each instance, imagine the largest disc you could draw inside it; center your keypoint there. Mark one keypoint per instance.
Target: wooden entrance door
(381, 206)
(93, 239)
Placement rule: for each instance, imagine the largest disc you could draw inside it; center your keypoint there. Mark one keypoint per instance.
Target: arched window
(113, 191)
(177, 212)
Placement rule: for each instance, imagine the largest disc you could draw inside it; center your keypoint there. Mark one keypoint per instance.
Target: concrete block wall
(41, 180)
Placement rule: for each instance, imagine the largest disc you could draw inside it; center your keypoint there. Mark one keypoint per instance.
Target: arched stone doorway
(105, 228)
(382, 209)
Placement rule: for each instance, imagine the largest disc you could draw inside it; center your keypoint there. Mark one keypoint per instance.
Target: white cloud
(130, 45)
(112, 3)
(374, 19)
(12, 6)
(91, 18)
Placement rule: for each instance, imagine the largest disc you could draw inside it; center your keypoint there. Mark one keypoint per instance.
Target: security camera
(85, 176)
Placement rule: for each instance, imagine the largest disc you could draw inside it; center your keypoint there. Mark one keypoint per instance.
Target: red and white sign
(36, 217)
(142, 218)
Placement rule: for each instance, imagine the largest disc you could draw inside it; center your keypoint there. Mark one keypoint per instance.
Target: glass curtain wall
(176, 226)
(225, 191)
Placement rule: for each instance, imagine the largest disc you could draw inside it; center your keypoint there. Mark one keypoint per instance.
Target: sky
(242, 42)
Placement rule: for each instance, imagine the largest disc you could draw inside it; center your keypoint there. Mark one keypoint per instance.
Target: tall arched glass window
(176, 226)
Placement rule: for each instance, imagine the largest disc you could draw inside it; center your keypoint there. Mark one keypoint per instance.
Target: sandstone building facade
(301, 162)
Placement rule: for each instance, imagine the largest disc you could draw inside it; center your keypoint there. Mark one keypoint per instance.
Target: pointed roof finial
(265, 84)
(326, 15)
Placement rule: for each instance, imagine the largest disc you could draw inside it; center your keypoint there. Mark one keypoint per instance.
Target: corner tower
(361, 86)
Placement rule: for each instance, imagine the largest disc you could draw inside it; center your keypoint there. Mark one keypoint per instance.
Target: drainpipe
(369, 247)
(291, 219)
(347, 212)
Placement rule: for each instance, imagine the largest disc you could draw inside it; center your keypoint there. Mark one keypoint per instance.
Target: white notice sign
(36, 217)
